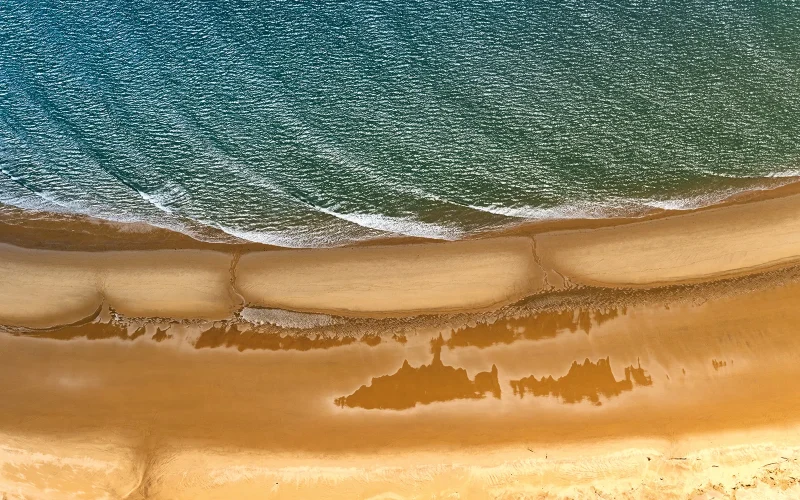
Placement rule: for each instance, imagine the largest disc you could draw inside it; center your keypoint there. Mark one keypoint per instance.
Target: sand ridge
(400, 279)
(683, 248)
(45, 288)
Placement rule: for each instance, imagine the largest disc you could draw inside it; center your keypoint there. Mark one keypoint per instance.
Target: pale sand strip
(66, 468)
(755, 465)
(640, 470)
(690, 247)
(390, 280)
(43, 288)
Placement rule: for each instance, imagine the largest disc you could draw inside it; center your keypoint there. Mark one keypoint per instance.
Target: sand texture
(401, 279)
(700, 245)
(46, 288)
(639, 390)
(644, 360)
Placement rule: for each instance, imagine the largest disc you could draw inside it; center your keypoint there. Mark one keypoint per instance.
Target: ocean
(303, 123)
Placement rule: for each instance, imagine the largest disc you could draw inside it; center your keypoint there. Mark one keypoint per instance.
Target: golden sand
(45, 288)
(701, 245)
(666, 392)
(232, 422)
(392, 280)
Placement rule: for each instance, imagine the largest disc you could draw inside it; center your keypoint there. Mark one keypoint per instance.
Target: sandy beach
(645, 359)
(399, 250)
(47, 288)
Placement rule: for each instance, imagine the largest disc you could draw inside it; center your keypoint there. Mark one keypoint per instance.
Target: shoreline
(646, 358)
(77, 232)
(753, 233)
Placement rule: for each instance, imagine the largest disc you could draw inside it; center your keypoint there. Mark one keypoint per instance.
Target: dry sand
(705, 244)
(392, 280)
(682, 392)
(45, 288)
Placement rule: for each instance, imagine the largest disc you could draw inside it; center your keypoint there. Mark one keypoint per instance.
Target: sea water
(305, 123)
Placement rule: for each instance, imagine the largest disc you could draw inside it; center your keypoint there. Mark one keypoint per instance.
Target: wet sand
(128, 374)
(706, 381)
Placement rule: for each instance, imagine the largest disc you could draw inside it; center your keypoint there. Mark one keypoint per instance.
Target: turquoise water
(305, 123)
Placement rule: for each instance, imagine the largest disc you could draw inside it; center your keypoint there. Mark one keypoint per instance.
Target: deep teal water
(307, 123)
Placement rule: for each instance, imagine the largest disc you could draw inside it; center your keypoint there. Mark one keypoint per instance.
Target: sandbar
(46, 288)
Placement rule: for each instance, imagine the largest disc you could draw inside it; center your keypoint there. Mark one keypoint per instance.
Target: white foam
(291, 240)
(712, 198)
(784, 174)
(155, 200)
(286, 319)
(405, 226)
(31, 202)
(626, 207)
(167, 198)
(274, 238)
(45, 203)
(586, 211)
(356, 226)
(14, 194)
(674, 204)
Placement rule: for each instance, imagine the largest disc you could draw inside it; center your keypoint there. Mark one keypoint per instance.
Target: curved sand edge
(696, 246)
(393, 280)
(45, 288)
